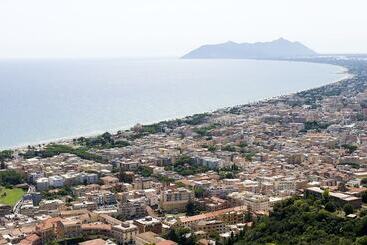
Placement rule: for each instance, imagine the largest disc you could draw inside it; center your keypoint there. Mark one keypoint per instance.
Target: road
(18, 205)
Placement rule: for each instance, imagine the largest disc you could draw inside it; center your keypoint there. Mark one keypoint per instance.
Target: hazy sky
(115, 28)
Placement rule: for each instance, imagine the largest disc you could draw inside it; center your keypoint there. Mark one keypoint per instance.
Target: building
(210, 162)
(128, 166)
(88, 178)
(213, 203)
(210, 226)
(109, 180)
(96, 229)
(49, 205)
(175, 199)
(33, 177)
(149, 223)
(339, 198)
(132, 209)
(124, 233)
(46, 230)
(42, 184)
(97, 241)
(152, 238)
(56, 181)
(85, 205)
(253, 201)
(35, 197)
(27, 208)
(228, 216)
(68, 228)
(101, 197)
(33, 239)
(5, 210)
(142, 183)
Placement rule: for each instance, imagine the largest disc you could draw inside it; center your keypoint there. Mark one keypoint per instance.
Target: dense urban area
(287, 170)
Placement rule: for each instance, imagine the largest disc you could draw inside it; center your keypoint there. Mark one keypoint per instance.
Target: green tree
(348, 209)
(326, 195)
(350, 148)
(181, 236)
(2, 164)
(172, 235)
(291, 222)
(145, 171)
(330, 206)
(10, 177)
(248, 216)
(192, 209)
(361, 240)
(199, 192)
(212, 148)
(6, 155)
(364, 197)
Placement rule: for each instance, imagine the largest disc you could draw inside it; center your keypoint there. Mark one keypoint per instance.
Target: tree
(330, 207)
(231, 240)
(6, 155)
(10, 177)
(172, 235)
(145, 171)
(291, 223)
(229, 175)
(350, 148)
(364, 197)
(248, 216)
(361, 240)
(212, 148)
(192, 209)
(181, 236)
(199, 192)
(348, 209)
(326, 195)
(364, 181)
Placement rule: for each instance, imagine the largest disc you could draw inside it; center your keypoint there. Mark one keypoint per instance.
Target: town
(202, 179)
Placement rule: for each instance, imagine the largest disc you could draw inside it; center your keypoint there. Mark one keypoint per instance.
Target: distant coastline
(68, 139)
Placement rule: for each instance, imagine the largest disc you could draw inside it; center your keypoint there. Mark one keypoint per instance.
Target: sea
(50, 99)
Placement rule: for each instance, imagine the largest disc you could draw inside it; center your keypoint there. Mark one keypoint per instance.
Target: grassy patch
(10, 196)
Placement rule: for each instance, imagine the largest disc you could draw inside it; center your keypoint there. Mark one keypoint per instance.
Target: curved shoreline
(69, 139)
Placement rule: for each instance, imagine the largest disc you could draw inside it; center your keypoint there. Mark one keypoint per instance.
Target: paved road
(16, 208)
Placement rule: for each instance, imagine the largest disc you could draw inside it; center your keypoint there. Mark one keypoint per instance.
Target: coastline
(68, 139)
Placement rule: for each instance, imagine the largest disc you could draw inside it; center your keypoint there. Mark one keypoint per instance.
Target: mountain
(280, 48)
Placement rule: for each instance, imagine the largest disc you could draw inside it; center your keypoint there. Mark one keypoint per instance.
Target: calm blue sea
(44, 100)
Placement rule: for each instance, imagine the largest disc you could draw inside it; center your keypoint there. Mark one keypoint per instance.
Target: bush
(6, 155)
(330, 207)
(301, 221)
(350, 148)
(10, 177)
(348, 209)
(364, 197)
(361, 240)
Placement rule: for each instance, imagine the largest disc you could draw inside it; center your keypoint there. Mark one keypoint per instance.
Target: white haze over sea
(43, 100)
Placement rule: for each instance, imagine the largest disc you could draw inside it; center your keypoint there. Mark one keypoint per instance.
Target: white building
(211, 162)
(253, 201)
(33, 177)
(88, 178)
(56, 181)
(42, 184)
(152, 196)
(92, 178)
